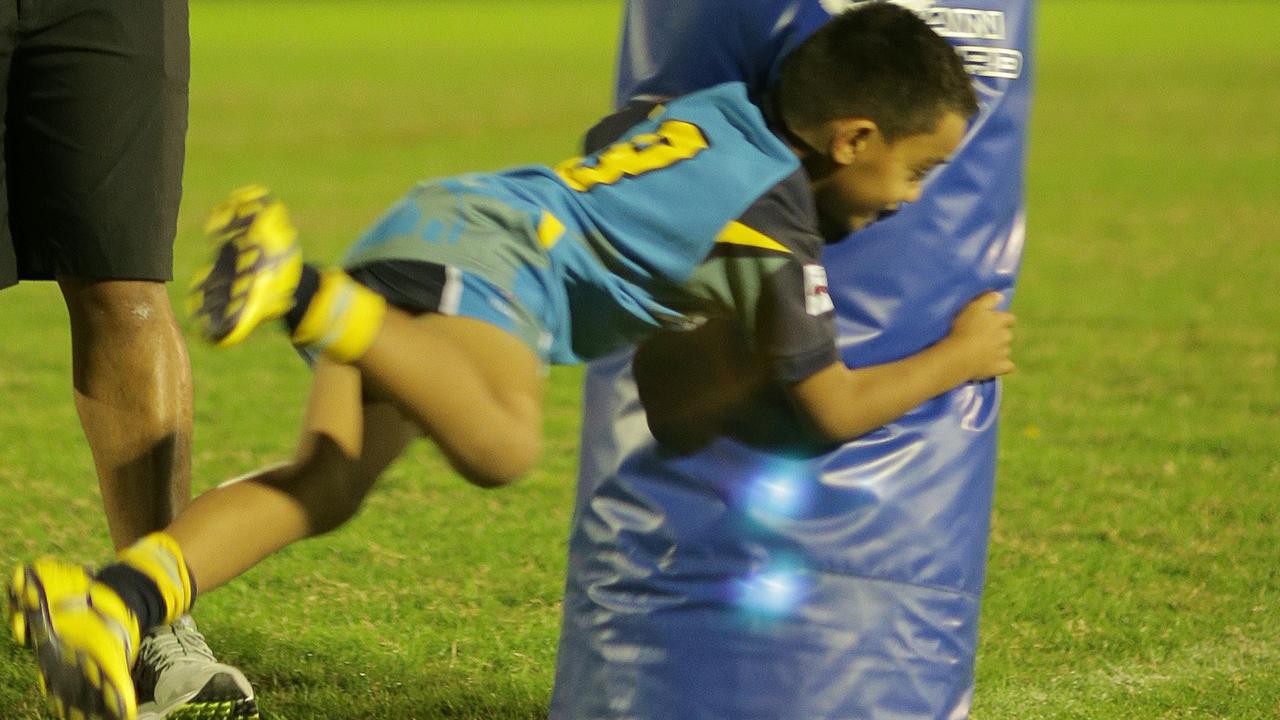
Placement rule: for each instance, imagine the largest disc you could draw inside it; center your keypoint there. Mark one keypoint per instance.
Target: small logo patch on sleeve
(816, 298)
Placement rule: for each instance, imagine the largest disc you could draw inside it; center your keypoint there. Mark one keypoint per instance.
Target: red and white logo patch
(816, 298)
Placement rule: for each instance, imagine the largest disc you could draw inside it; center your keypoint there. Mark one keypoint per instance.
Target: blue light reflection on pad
(774, 591)
(782, 490)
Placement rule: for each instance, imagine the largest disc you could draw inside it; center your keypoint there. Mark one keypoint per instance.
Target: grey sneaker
(178, 678)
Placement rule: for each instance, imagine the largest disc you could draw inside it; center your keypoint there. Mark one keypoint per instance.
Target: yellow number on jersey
(674, 140)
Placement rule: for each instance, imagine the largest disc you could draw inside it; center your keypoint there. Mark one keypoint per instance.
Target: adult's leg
(132, 380)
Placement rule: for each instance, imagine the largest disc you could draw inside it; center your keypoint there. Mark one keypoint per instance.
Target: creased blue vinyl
(737, 582)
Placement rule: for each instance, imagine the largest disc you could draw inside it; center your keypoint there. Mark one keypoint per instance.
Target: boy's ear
(850, 138)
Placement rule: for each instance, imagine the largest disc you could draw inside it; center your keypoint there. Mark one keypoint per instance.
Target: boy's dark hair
(879, 61)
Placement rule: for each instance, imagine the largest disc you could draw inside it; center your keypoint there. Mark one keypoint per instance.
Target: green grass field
(1133, 567)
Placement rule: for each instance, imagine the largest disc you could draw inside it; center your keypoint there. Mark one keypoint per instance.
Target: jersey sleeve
(616, 124)
(775, 282)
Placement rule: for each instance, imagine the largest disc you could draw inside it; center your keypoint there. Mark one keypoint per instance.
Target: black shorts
(95, 118)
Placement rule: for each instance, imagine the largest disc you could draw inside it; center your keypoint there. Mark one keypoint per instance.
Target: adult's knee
(112, 308)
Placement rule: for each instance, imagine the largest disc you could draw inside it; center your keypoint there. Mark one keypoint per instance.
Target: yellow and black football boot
(256, 266)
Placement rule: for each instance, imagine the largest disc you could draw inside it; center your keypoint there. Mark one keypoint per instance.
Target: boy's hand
(981, 337)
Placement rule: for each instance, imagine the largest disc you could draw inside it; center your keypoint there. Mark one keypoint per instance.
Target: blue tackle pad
(736, 582)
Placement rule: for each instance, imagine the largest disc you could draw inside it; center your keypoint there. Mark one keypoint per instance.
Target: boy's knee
(504, 462)
(327, 484)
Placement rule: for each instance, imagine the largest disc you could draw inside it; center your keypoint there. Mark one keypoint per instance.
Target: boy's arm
(843, 403)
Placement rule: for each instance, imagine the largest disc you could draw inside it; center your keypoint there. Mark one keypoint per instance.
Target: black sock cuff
(308, 284)
(139, 593)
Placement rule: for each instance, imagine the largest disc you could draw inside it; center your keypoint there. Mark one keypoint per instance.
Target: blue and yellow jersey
(691, 209)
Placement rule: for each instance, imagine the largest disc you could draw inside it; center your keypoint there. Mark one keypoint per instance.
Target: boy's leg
(330, 499)
(474, 389)
(85, 628)
(471, 386)
(346, 443)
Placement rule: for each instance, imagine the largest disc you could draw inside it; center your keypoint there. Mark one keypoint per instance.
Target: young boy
(452, 304)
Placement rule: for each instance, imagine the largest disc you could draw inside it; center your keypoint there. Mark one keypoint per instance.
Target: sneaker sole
(214, 283)
(70, 681)
(239, 306)
(220, 699)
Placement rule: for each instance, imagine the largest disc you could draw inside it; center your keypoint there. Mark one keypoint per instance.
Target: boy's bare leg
(473, 388)
(87, 628)
(346, 443)
(470, 386)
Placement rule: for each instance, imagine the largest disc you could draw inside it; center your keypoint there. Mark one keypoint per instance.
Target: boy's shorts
(442, 249)
(94, 119)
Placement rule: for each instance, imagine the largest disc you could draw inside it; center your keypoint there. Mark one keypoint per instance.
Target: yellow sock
(159, 558)
(342, 319)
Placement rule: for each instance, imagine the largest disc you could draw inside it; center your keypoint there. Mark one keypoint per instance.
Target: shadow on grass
(294, 681)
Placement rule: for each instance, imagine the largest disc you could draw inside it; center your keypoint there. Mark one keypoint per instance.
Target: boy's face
(872, 176)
